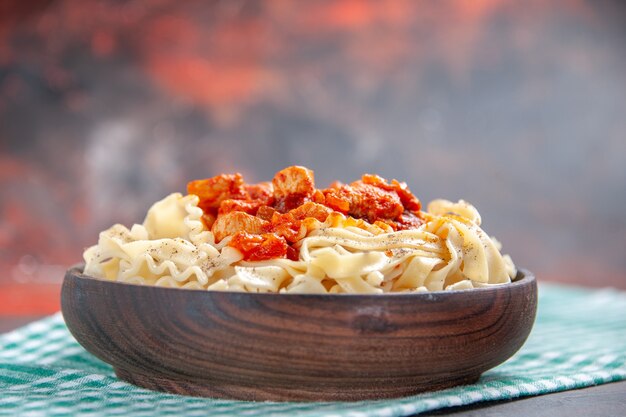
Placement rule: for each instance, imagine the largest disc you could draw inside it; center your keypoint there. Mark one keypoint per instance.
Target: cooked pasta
(275, 237)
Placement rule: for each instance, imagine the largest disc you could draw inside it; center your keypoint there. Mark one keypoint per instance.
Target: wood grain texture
(297, 347)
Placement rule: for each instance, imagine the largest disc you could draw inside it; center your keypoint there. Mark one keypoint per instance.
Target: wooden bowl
(287, 347)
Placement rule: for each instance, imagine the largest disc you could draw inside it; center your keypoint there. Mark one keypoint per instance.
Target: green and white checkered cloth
(579, 340)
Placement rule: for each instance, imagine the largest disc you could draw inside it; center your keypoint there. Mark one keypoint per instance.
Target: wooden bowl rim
(523, 278)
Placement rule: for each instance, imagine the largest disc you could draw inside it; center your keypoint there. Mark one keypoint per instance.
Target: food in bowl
(287, 236)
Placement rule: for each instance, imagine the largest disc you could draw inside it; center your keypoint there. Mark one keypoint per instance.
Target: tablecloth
(579, 340)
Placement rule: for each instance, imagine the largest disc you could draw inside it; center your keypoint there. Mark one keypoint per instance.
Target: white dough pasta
(173, 248)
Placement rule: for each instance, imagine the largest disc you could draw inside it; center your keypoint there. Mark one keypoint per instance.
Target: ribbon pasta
(173, 248)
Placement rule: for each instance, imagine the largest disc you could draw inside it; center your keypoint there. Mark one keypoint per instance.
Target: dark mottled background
(517, 107)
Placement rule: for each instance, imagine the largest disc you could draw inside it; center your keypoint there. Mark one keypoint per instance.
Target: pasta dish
(370, 236)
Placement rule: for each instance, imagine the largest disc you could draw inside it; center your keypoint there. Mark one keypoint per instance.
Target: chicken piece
(409, 220)
(293, 186)
(256, 195)
(364, 201)
(288, 225)
(212, 191)
(250, 207)
(259, 247)
(409, 201)
(263, 191)
(310, 209)
(238, 221)
(338, 199)
(208, 218)
(265, 213)
(318, 197)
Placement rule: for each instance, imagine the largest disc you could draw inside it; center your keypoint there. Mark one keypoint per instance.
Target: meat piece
(409, 201)
(259, 247)
(287, 226)
(212, 191)
(263, 191)
(265, 213)
(373, 179)
(364, 201)
(237, 221)
(318, 197)
(247, 206)
(409, 220)
(208, 218)
(293, 186)
(310, 209)
(338, 199)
